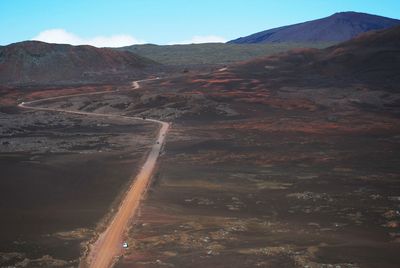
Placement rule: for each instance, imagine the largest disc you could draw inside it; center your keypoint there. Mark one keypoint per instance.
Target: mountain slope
(37, 62)
(372, 58)
(335, 28)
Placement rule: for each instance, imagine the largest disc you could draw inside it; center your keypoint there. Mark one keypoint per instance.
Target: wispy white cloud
(198, 39)
(61, 36)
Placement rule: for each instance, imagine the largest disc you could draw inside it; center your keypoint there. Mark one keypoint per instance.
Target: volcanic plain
(291, 160)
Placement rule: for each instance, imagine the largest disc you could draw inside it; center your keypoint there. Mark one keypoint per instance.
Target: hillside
(212, 53)
(372, 58)
(37, 62)
(335, 28)
(360, 72)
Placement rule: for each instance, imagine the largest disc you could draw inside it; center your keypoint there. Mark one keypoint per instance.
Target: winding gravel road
(108, 247)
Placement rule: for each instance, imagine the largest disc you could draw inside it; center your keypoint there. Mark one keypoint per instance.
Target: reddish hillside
(37, 62)
(373, 58)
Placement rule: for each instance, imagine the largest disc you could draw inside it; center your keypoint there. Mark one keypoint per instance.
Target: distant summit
(335, 28)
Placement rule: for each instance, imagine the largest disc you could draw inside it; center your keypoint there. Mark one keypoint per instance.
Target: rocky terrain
(290, 189)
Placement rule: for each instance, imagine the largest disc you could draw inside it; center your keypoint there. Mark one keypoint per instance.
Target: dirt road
(109, 244)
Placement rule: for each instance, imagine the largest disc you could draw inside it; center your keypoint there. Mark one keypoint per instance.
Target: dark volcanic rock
(37, 62)
(338, 27)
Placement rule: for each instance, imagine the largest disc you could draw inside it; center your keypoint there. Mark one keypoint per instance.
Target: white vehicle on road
(125, 245)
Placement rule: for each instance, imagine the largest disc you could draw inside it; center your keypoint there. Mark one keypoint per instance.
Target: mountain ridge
(339, 27)
(39, 62)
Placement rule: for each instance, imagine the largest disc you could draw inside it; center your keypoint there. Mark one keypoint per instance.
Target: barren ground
(273, 192)
(261, 177)
(254, 175)
(61, 177)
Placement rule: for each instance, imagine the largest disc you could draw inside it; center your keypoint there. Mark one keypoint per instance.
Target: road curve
(108, 246)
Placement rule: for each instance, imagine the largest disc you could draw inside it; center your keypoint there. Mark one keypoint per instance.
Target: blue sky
(116, 22)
